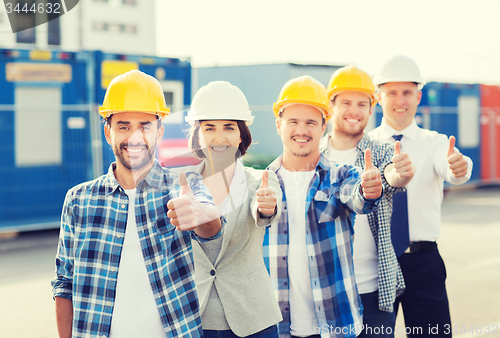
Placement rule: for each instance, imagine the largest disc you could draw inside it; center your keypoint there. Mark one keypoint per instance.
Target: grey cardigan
(239, 274)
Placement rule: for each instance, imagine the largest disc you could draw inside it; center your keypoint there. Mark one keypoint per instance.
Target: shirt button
(284, 258)
(119, 236)
(123, 206)
(212, 272)
(108, 303)
(113, 269)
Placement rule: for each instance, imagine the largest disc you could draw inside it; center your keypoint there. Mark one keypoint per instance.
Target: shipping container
(51, 133)
(261, 85)
(451, 109)
(490, 134)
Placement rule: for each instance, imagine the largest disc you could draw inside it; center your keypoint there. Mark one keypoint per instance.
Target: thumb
(265, 176)
(397, 148)
(368, 159)
(185, 189)
(451, 147)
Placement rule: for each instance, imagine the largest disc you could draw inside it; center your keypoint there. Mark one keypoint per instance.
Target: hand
(402, 162)
(266, 198)
(184, 212)
(457, 162)
(371, 180)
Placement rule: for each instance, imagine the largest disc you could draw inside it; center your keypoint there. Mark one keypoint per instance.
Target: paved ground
(469, 245)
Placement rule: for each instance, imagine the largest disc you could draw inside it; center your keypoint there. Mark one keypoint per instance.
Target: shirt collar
(410, 132)
(153, 178)
(322, 163)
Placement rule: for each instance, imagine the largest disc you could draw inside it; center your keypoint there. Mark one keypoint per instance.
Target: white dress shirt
(428, 152)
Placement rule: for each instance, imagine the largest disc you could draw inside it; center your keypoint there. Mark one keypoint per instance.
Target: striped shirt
(390, 278)
(334, 195)
(93, 225)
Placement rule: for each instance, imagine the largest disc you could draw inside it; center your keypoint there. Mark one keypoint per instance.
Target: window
(54, 26)
(100, 26)
(114, 27)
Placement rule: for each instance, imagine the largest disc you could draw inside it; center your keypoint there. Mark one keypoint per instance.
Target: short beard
(342, 133)
(144, 162)
(301, 155)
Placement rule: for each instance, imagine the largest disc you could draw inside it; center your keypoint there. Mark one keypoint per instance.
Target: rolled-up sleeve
(62, 284)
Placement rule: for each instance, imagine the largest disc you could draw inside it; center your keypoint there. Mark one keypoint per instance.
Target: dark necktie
(400, 232)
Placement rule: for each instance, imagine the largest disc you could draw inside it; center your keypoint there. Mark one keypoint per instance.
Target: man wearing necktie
(416, 220)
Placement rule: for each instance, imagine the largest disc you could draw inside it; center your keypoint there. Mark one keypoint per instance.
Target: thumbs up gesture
(266, 198)
(456, 160)
(402, 162)
(371, 180)
(184, 211)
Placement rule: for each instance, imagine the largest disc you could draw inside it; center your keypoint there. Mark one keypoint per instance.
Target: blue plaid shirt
(93, 224)
(390, 277)
(333, 197)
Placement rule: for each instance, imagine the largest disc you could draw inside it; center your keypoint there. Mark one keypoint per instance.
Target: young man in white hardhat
(309, 251)
(416, 219)
(378, 276)
(124, 264)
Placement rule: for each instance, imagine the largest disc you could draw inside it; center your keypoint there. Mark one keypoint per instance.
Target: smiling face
(351, 111)
(133, 137)
(219, 140)
(301, 128)
(399, 101)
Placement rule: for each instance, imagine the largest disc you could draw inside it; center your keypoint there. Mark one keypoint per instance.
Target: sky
(451, 41)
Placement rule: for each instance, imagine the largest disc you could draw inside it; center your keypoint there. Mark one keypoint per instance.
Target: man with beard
(309, 251)
(378, 276)
(124, 263)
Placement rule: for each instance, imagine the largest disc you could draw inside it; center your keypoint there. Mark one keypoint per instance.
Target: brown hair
(107, 121)
(194, 140)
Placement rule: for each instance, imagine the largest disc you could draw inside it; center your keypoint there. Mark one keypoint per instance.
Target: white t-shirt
(302, 313)
(365, 255)
(135, 313)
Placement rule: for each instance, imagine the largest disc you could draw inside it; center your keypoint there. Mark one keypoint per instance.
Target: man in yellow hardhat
(309, 251)
(124, 263)
(379, 279)
(416, 220)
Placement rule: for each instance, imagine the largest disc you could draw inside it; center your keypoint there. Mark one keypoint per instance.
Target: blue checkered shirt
(390, 278)
(93, 224)
(333, 197)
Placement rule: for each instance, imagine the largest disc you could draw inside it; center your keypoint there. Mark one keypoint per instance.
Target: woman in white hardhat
(234, 289)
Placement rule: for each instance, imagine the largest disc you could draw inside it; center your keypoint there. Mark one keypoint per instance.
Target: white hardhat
(219, 100)
(399, 68)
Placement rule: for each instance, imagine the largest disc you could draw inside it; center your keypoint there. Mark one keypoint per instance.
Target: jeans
(376, 323)
(270, 332)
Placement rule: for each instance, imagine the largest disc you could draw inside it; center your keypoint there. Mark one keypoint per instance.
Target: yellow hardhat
(303, 90)
(134, 91)
(351, 78)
